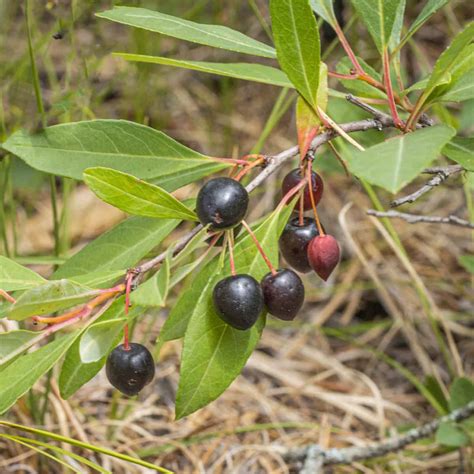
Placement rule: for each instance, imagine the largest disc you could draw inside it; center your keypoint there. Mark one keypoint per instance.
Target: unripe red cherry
(293, 178)
(323, 255)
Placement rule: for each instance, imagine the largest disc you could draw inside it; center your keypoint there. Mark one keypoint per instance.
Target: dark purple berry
(222, 202)
(293, 178)
(294, 243)
(238, 300)
(283, 294)
(130, 370)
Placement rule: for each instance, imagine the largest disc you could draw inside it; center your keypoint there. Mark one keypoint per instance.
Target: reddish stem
(313, 202)
(128, 289)
(85, 310)
(347, 48)
(230, 161)
(349, 77)
(8, 297)
(248, 168)
(126, 342)
(230, 243)
(259, 247)
(388, 87)
(301, 211)
(291, 193)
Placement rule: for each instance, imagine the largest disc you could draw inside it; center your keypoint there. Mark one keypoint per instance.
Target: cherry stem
(259, 247)
(126, 336)
(230, 161)
(301, 210)
(230, 244)
(339, 158)
(128, 289)
(8, 297)
(248, 168)
(348, 77)
(313, 202)
(290, 194)
(388, 87)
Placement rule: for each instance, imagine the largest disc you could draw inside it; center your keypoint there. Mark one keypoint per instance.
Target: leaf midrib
(190, 25)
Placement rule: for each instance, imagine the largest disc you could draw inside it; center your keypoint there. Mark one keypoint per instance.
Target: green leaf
(135, 196)
(461, 90)
(397, 25)
(448, 61)
(121, 247)
(431, 7)
(63, 452)
(325, 9)
(461, 393)
(16, 277)
(95, 342)
(193, 297)
(449, 434)
(356, 86)
(432, 384)
(245, 71)
(100, 279)
(379, 16)
(80, 444)
(208, 35)
(153, 292)
(307, 122)
(296, 38)
(48, 298)
(396, 162)
(467, 261)
(18, 377)
(455, 84)
(75, 373)
(69, 149)
(214, 353)
(461, 150)
(14, 341)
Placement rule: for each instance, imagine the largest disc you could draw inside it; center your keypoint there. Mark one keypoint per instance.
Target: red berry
(294, 177)
(323, 255)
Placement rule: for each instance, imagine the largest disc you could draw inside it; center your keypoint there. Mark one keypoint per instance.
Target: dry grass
(315, 380)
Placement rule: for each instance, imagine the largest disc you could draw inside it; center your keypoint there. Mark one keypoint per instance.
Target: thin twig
(441, 175)
(416, 218)
(310, 454)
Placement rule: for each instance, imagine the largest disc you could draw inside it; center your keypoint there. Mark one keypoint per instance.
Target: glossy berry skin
(238, 300)
(294, 243)
(130, 370)
(283, 294)
(222, 202)
(293, 178)
(323, 255)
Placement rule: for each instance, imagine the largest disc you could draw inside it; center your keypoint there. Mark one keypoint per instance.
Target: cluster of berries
(240, 299)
